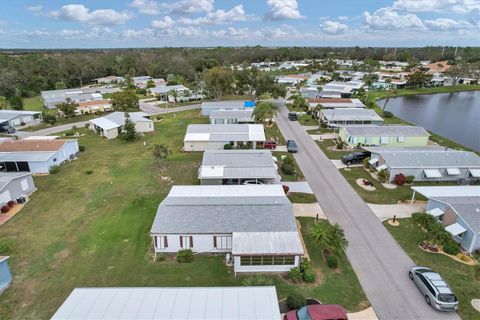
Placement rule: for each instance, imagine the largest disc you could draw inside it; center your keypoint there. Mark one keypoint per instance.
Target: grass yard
(300, 197)
(297, 176)
(33, 104)
(326, 144)
(272, 132)
(307, 120)
(458, 275)
(88, 225)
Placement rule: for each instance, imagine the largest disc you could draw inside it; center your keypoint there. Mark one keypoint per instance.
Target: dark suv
(292, 146)
(292, 116)
(7, 128)
(355, 157)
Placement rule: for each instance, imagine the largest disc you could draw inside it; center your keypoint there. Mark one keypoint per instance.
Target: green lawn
(272, 132)
(331, 154)
(88, 225)
(33, 104)
(307, 120)
(297, 176)
(61, 121)
(299, 197)
(458, 275)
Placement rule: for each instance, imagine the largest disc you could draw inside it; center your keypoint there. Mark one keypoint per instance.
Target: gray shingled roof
(467, 207)
(223, 215)
(427, 157)
(386, 131)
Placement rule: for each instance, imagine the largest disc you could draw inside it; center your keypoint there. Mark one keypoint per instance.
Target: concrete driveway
(404, 210)
(379, 262)
(301, 186)
(311, 210)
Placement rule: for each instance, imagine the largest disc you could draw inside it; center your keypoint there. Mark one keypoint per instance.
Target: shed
(208, 303)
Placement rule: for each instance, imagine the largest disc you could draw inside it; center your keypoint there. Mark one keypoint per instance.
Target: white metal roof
(271, 243)
(373, 160)
(436, 212)
(453, 171)
(449, 191)
(382, 167)
(432, 173)
(455, 229)
(104, 123)
(170, 303)
(41, 138)
(256, 132)
(211, 171)
(475, 173)
(265, 190)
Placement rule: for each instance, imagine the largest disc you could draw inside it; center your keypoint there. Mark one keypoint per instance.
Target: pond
(455, 116)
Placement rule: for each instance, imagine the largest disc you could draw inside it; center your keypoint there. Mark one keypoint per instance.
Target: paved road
(154, 110)
(379, 262)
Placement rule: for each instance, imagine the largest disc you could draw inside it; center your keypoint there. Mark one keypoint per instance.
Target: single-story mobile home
(426, 163)
(209, 106)
(335, 103)
(237, 167)
(5, 274)
(19, 118)
(231, 116)
(206, 303)
(89, 107)
(112, 124)
(385, 135)
(15, 187)
(36, 156)
(458, 209)
(253, 225)
(347, 116)
(201, 137)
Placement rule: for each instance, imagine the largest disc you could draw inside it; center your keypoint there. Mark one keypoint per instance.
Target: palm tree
(329, 237)
(174, 94)
(338, 242)
(263, 111)
(424, 220)
(388, 94)
(320, 235)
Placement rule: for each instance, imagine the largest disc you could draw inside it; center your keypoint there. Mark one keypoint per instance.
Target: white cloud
(283, 9)
(333, 27)
(35, 9)
(445, 24)
(190, 6)
(237, 33)
(80, 13)
(387, 18)
(149, 7)
(342, 18)
(236, 14)
(457, 6)
(164, 23)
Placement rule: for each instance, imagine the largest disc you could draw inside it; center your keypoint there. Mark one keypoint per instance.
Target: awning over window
(432, 173)
(382, 167)
(373, 160)
(475, 173)
(436, 212)
(453, 171)
(455, 229)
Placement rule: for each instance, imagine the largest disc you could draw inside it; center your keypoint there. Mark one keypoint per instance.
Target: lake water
(455, 116)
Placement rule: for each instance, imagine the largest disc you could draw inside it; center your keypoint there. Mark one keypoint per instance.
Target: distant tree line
(25, 73)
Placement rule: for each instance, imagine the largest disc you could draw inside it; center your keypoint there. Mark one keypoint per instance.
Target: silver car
(436, 291)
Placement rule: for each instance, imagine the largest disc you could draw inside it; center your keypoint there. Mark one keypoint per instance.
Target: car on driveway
(292, 116)
(270, 144)
(318, 312)
(355, 157)
(292, 146)
(7, 128)
(435, 290)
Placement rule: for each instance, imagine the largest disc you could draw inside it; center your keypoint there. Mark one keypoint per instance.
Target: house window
(186, 242)
(222, 242)
(384, 140)
(266, 260)
(161, 242)
(401, 139)
(24, 184)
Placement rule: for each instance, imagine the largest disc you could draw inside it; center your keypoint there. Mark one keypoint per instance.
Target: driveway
(301, 186)
(380, 263)
(154, 110)
(403, 210)
(311, 210)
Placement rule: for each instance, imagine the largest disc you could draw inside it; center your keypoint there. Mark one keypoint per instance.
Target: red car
(318, 312)
(270, 144)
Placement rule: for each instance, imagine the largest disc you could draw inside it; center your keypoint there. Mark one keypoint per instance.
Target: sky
(206, 23)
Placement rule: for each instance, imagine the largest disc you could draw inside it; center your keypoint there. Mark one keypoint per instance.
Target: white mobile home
(335, 103)
(15, 187)
(210, 106)
(237, 166)
(36, 156)
(17, 119)
(112, 124)
(150, 303)
(201, 137)
(253, 225)
(231, 116)
(346, 116)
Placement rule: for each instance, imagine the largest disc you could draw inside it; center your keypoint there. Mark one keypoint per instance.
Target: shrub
(160, 257)
(6, 247)
(257, 280)
(285, 188)
(332, 262)
(11, 203)
(382, 175)
(87, 125)
(89, 171)
(69, 133)
(295, 301)
(288, 169)
(424, 220)
(409, 179)
(227, 146)
(400, 179)
(54, 169)
(81, 148)
(295, 274)
(50, 119)
(288, 160)
(340, 145)
(185, 256)
(366, 164)
(387, 114)
(451, 247)
(4, 209)
(304, 265)
(310, 275)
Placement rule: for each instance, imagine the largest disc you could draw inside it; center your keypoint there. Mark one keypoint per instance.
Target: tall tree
(263, 111)
(16, 102)
(129, 133)
(3, 103)
(67, 108)
(124, 100)
(218, 82)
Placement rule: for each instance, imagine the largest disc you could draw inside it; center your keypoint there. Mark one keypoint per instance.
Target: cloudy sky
(158, 23)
